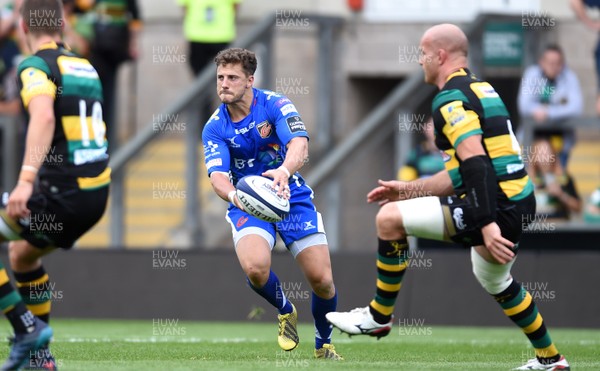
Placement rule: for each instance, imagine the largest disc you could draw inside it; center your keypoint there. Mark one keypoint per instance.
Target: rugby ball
(260, 199)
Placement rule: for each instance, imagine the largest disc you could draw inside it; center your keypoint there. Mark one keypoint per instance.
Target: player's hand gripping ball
(260, 199)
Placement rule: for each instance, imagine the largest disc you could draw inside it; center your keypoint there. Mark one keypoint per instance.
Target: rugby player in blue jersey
(259, 132)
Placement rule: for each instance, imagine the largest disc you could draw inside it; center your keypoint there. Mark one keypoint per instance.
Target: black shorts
(203, 54)
(60, 214)
(511, 216)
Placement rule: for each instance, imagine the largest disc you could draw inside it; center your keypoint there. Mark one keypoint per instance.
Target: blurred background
(351, 68)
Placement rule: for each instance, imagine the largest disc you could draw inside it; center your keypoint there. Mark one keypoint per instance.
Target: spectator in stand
(423, 161)
(209, 27)
(10, 103)
(555, 192)
(592, 211)
(116, 31)
(9, 19)
(10, 55)
(579, 7)
(77, 33)
(550, 93)
(9, 25)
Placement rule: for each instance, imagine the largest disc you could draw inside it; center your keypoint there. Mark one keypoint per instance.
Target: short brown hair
(238, 56)
(43, 17)
(554, 48)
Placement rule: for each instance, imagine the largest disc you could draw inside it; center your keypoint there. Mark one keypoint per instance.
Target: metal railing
(528, 126)
(188, 102)
(406, 96)
(10, 156)
(526, 133)
(375, 127)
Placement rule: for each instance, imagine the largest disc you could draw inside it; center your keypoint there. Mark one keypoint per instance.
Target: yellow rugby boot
(328, 352)
(288, 333)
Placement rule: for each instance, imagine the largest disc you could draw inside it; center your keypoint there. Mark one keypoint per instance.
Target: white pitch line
(337, 339)
(167, 339)
(427, 339)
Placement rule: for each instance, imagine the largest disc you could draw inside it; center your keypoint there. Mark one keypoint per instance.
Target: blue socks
(273, 293)
(323, 329)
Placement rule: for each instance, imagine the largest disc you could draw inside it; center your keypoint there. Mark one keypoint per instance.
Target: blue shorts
(303, 222)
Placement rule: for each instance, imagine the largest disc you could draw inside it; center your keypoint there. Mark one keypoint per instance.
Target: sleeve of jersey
(570, 189)
(288, 122)
(35, 82)
(459, 123)
(216, 153)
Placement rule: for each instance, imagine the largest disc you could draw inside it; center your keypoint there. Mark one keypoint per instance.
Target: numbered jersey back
(79, 147)
(467, 106)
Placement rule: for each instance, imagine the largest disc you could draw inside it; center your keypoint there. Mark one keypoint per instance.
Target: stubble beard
(229, 98)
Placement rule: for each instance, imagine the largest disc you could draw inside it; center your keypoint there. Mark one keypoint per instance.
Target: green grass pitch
(169, 344)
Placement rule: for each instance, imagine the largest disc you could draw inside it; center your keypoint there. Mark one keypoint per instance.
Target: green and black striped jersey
(79, 146)
(467, 106)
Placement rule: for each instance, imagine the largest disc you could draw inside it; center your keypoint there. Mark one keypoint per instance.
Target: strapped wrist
(29, 168)
(230, 196)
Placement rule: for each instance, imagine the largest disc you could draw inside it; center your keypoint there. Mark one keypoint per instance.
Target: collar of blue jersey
(255, 93)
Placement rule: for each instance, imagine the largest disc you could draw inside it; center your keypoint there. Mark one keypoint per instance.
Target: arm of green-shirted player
(567, 196)
(438, 184)
(37, 144)
(471, 149)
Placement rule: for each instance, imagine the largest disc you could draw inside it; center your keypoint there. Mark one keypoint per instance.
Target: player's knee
(20, 256)
(323, 286)
(13, 254)
(494, 278)
(389, 223)
(17, 255)
(258, 274)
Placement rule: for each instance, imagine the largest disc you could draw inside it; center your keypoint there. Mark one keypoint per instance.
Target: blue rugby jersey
(255, 144)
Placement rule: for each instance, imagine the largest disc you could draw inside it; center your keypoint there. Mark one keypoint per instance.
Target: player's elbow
(303, 158)
(299, 142)
(43, 118)
(217, 180)
(448, 190)
(299, 148)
